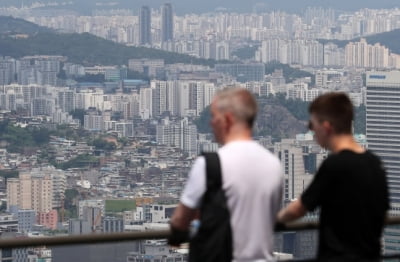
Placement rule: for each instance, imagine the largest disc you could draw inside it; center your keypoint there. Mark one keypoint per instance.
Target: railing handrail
(82, 239)
(132, 236)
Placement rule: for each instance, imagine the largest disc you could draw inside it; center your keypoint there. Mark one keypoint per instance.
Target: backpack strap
(213, 241)
(213, 171)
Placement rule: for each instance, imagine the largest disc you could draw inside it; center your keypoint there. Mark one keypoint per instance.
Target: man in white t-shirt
(251, 178)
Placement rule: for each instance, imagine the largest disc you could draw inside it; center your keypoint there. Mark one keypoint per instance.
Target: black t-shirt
(351, 190)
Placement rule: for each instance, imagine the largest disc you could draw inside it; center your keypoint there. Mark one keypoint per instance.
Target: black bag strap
(213, 171)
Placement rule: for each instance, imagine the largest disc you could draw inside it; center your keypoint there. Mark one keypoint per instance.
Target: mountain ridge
(82, 48)
(93, 50)
(11, 25)
(389, 39)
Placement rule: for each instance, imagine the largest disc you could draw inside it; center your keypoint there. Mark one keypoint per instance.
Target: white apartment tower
(178, 98)
(383, 137)
(383, 123)
(179, 134)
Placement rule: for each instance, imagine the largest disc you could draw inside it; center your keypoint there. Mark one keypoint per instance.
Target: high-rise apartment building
(222, 51)
(7, 71)
(167, 23)
(41, 189)
(145, 26)
(90, 203)
(179, 134)
(383, 124)
(176, 98)
(93, 122)
(92, 211)
(300, 159)
(66, 100)
(383, 137)
(29, 192)
(42, 106)
(124, 129)
(361, 54)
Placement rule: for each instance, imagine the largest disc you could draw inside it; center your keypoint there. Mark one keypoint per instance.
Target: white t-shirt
(253, 182)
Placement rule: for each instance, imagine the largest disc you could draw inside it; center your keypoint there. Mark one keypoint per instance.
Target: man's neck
(344, 142)
(238, 133)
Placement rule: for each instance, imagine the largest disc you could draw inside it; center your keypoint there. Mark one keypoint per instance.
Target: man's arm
(191, 196)
(293, 211)
(179, 224)
(182, 217)
(187, 209)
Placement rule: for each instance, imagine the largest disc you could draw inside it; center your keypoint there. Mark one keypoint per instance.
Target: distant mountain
(83, 48)
(277, 117)
(9, 25)
(389, 39)
(277, 121)
(190, 6)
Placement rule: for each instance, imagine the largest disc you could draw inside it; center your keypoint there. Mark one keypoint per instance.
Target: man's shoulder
(200, 160)
(348, 155)
(348, 160)
(242, 146)
(249, 153)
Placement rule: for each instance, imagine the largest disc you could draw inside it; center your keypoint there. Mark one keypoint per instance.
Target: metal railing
(11, 243)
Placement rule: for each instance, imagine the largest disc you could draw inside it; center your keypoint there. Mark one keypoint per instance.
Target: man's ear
(328, 127)
(229, 119)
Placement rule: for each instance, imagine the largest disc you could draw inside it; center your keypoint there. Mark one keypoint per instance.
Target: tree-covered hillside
(20, 139)
(389, 39)
(281, 118)
(87, 49)
(9, 25)
(289, 73)
(83, 48)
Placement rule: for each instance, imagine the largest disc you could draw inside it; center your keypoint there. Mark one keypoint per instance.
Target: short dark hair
(336, 108)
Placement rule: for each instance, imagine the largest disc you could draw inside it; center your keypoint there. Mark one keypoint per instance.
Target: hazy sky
(199, 6)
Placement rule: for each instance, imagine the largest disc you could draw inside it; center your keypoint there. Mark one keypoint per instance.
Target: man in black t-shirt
(350, 187)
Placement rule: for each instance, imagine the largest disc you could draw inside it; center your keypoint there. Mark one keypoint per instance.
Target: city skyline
(123, 118)
(208, 6)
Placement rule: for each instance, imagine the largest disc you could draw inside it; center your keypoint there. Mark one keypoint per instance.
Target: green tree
(123, 141)
(41, 135)
(9, 173)
(80, 161)
(297, 107)
(102, 144)
(71, 196)
(3, 206)
(18, 138)
(78, 114)
(137, 75)
(247, 52)
(289, 73)
(203, 121)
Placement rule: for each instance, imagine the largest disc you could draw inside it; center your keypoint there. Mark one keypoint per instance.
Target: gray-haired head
(240, 102)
